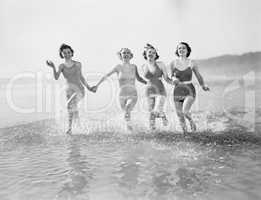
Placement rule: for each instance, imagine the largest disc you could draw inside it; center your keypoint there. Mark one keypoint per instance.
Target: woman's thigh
(160, 103)
(131, 102)
(188, 102)
(127, 102)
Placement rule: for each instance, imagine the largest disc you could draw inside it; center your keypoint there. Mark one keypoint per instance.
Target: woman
(184, 91)
(127, 74)
(71, 71)
(155, 92)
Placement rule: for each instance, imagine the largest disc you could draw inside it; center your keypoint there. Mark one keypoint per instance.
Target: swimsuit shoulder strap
(158, 64)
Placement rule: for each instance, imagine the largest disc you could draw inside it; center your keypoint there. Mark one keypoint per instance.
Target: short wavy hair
(65, 46)
(187, 46)
(124, 49)
(146, 48)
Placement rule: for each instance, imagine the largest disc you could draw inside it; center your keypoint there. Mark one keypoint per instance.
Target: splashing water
(103, 160)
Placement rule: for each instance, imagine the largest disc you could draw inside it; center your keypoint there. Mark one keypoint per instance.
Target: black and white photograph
(130, 100)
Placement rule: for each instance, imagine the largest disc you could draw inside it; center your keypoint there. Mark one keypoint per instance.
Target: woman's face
(126, 55)
(151, 54)
(182, 50)
(67, 53)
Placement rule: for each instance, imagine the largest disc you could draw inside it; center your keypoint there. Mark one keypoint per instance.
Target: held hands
(93, 88)
(50, 63)
(175, 82)
(205, 88)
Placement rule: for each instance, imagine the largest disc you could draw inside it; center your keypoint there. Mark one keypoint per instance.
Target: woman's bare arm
(138, 77)
(114, 70)
(174, 79)
(56, 74)
(165, 74)
(83, 80)
(199, 77)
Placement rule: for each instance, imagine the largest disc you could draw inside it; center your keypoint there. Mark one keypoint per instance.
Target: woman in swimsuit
(71, 71)
(156, 94)
(127, 74)
(184, 91)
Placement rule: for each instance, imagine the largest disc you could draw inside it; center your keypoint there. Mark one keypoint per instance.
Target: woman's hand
(175, 82)
(205, 88)
(94, 88)
(50, 63)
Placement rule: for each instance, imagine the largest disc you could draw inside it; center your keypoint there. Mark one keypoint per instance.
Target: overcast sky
(33, 30)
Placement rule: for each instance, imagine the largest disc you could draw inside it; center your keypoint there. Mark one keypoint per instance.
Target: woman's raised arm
(56, 74)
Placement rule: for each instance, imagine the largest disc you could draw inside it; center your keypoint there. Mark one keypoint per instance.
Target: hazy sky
(33, 30)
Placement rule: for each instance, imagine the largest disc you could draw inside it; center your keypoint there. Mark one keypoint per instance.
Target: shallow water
(102, 160)
(39, 162)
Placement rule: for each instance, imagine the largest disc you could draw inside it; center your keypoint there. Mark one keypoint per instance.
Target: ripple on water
(37, 163)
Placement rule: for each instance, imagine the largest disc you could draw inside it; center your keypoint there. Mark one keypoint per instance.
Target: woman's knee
(131, 103)
(180, 116)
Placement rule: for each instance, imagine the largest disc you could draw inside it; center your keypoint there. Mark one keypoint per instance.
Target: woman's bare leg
(186, 111)
(76, 118)
(73, 113)
(127, 105)
(179, 107)
(151, 104)
(70, 119)
(130, 103)
(159, 109)
(123, 102)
